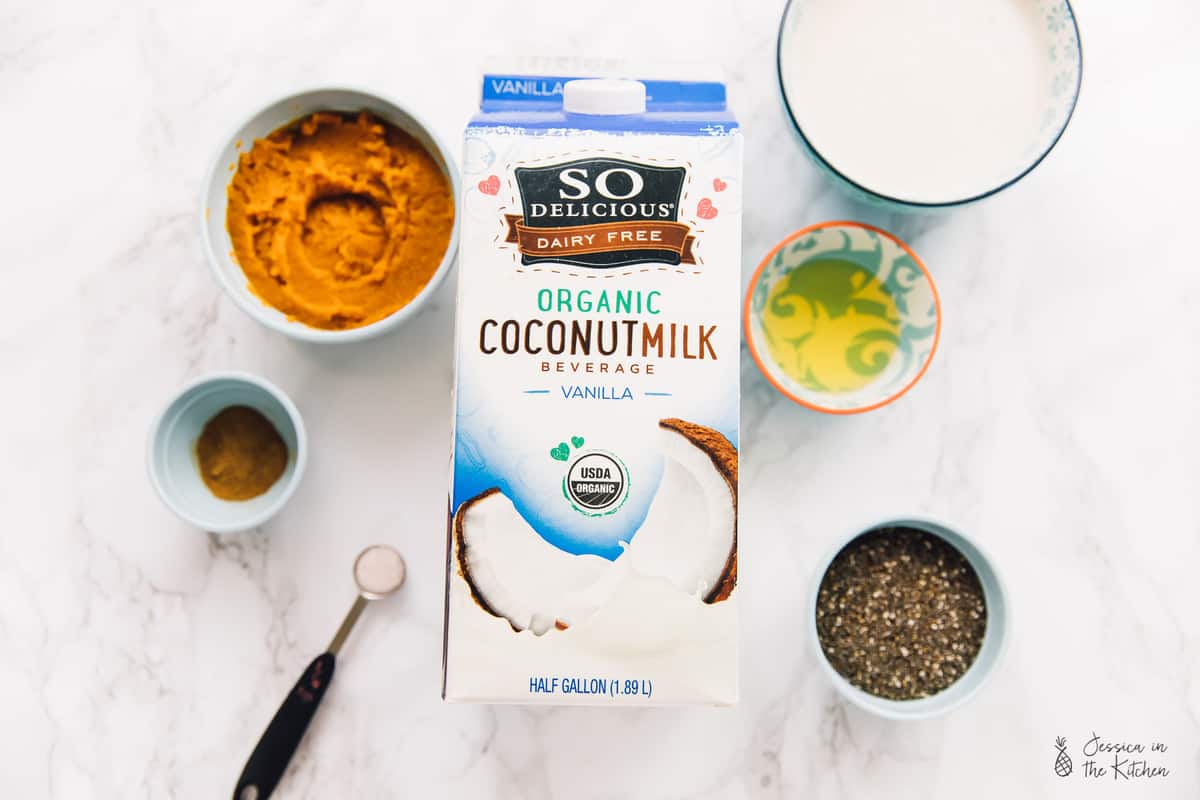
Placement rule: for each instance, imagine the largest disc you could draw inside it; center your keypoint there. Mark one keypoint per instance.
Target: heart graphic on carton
(560, 452)
(719, 185)
(490, 185)
(577, 442)
(705, 209)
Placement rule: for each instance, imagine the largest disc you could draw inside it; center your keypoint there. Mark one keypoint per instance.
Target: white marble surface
(140, 658)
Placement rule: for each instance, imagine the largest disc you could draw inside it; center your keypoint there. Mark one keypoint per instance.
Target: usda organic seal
(596, 483)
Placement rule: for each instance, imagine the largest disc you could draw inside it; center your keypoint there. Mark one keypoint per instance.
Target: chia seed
(900, 613)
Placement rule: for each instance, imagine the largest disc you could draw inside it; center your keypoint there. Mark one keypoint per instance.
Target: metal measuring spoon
(378, 571)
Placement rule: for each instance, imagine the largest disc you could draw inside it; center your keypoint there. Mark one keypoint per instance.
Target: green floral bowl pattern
(842, 317)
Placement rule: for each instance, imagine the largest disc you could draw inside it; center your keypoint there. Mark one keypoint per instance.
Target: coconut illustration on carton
(689, 538)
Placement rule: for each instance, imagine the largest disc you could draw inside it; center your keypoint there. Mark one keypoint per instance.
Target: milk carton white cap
(604, 96)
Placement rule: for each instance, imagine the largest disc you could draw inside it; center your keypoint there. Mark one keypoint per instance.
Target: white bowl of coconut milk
(929, 103)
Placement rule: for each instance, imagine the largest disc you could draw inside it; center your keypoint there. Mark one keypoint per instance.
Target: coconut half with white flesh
(689, 538)
(516, 574)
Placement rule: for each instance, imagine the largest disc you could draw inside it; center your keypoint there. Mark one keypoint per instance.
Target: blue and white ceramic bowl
(171, 451)
(842, 317)
(916, 105)
(995, 639)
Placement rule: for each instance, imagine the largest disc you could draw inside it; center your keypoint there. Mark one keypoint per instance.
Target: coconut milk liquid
(922, 100)
(592, 554)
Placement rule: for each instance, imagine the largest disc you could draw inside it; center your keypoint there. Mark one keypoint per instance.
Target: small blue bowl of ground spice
(908, 617)
(227, 452)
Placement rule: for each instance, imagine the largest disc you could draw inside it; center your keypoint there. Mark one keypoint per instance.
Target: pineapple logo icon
(1062, 764)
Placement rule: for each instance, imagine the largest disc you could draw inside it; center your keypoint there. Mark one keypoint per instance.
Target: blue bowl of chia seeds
(895, 601)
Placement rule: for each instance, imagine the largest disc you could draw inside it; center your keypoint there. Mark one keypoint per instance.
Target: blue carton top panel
(540, 92)
(535, 102)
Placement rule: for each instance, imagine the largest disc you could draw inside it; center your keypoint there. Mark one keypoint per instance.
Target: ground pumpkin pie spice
(240, 454)
(901, 613)
(339, 220)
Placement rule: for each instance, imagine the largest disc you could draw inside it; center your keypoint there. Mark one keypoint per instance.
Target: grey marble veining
(141, 659)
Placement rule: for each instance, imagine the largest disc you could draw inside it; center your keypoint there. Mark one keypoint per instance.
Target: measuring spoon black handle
(281, 738)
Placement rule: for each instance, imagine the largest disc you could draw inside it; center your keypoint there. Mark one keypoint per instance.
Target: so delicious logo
(600, 213)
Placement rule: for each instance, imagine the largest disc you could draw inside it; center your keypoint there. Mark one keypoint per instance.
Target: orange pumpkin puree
(339, 220)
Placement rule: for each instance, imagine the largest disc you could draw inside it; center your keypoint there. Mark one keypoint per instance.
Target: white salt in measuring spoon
(378, 571)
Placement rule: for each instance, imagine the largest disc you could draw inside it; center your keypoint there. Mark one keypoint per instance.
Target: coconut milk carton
(592, 548)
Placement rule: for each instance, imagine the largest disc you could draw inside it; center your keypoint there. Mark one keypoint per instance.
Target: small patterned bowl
(842, 317)
(995, 637)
